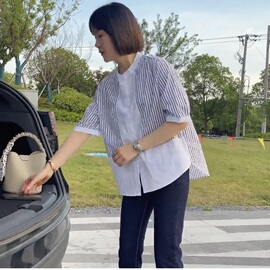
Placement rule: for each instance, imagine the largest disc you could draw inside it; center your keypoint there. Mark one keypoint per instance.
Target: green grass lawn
(240, 174)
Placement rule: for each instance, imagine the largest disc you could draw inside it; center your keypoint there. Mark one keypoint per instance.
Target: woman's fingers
(119, 159)
(25, 184)
(28, 185)
(33, 183)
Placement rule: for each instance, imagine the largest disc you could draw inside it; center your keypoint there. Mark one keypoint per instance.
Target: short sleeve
(174, 99)
(90, 122)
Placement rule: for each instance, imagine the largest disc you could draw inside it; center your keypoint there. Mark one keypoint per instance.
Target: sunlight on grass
(240, 174)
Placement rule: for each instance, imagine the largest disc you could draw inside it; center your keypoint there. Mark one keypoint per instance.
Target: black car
(33, 232)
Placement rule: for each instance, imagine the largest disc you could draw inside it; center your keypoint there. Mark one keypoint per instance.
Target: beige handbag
(15, 169)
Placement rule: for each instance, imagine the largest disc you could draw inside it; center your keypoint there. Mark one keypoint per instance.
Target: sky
(217, 22)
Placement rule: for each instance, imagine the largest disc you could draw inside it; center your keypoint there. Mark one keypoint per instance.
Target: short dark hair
(121, 25)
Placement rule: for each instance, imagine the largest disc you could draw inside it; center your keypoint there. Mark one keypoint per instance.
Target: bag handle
(3, 160)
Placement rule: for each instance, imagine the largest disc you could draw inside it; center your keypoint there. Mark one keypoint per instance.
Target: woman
(142, 112)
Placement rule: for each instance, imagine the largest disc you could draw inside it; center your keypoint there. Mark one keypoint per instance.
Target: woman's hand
(124, 155)
(33, 183)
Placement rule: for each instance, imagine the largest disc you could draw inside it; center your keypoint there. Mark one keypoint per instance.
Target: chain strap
(3, 160)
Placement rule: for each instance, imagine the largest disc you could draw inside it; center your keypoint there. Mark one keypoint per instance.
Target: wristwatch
(137, 147)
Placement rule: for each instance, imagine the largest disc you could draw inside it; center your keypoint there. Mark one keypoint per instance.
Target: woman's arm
(159, 136)
(74, 141)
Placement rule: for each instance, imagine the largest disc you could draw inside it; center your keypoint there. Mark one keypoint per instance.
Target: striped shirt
(129, 106)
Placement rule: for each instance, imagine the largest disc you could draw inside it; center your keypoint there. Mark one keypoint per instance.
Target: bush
(71, 100)
(265, 136)
(43, 102)
(61, 115)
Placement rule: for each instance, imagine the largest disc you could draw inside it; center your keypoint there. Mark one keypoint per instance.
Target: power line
(206, 39)
(259, 51)
(216, 38)
(201, 41)
(230, 41)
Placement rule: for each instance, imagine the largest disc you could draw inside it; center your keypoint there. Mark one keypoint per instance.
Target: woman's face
(105, 46)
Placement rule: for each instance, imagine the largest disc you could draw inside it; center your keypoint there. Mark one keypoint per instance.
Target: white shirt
(132, 105)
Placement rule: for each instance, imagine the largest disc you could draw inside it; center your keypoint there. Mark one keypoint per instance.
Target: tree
(213, 93)
(84, 80)
(258, 88)
(25, 25)
(57, 67)
(99, 75)
(166, 40)
(260, 106)
(252, 116)
(13, 20)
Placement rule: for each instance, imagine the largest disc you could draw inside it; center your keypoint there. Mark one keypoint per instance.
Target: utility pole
(242, 85)
(266, 76)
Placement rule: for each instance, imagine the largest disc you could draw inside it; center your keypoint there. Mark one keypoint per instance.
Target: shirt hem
(183, 170)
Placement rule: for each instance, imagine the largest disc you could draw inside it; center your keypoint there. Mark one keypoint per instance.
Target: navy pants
(169, 205)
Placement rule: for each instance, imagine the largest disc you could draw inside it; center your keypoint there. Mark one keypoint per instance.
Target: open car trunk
(24, 221)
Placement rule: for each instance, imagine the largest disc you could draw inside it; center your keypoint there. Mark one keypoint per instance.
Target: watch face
(137, 147)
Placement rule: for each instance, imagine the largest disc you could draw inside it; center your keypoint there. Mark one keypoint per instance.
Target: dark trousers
(169, 205)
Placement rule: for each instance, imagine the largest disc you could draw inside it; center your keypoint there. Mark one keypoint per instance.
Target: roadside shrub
(71, 100)
(265, 136)
(43, 102)
(62, 115)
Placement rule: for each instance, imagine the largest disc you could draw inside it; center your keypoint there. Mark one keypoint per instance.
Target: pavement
(211, 239)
